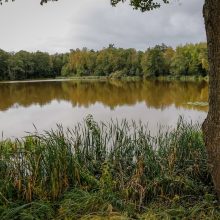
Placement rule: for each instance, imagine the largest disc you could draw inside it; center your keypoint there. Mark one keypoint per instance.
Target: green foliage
(154, 63)
(105, 169)
(4, 56)
(25, 65)
(158, 61)
(161, 60)
(58, 61)
(41, 1)
(190, 60)
(143, 5)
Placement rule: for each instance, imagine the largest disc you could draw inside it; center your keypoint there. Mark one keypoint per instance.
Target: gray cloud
(94, 24)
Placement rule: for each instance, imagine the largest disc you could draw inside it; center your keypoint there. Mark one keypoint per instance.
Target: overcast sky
(70, 24)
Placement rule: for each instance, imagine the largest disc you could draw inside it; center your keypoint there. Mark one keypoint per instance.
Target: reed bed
(115, 170)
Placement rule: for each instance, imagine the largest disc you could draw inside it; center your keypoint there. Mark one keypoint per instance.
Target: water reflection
(155, 94)
(47, 103)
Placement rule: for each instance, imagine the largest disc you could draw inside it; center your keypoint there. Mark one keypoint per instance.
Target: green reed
(105, 169)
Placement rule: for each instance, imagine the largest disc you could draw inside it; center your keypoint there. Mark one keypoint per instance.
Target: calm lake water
(47, 103)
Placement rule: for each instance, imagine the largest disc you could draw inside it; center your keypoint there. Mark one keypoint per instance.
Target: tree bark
(211, 126)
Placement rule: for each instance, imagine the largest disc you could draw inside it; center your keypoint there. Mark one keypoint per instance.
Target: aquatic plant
(109, 169)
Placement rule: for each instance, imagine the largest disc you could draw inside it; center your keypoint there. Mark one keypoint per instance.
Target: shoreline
(106, 78)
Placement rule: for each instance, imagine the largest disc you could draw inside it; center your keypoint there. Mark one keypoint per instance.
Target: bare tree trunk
(211, 126)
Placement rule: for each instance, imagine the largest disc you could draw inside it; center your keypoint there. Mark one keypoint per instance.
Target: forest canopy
(161, 60)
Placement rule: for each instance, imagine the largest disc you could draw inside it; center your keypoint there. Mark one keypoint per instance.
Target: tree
(211, 12)
(182, 61)
(211, 126)
(168, 56)
(81, 63)
(58, 61)
(190, 60)
(3, 65)
(16, 68)
(26, 60)
(154, 63)
(42, 65)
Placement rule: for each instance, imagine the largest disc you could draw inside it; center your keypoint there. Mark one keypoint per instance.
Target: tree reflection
(155, 94)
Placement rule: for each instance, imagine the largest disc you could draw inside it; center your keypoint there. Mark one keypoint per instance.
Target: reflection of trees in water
(155, 94)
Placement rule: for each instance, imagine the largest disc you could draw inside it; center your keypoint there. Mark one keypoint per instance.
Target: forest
(161, 60)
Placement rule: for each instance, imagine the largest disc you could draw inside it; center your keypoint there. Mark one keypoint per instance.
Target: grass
(107, 171)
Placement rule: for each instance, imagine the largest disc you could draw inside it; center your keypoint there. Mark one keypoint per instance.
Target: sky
(70, 24)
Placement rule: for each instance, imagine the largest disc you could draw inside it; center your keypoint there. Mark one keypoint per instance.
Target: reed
(114, 169)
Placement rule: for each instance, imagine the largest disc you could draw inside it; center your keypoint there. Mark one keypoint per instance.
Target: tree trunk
(211, 126)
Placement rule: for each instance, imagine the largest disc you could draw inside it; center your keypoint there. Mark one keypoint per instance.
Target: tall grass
(106, 169)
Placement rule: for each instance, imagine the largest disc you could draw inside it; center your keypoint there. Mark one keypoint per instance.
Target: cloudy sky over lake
(70, 24)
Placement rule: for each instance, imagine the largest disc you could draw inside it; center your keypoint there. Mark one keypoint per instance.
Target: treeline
(26, 65)
(161, 60)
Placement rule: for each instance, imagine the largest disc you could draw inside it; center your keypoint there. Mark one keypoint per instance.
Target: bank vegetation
(189, 60)
(116, 170)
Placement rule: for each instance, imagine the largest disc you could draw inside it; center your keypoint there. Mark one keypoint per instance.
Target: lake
(44, 104)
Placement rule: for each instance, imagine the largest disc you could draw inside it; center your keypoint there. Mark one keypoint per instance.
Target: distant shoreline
(104, 78)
